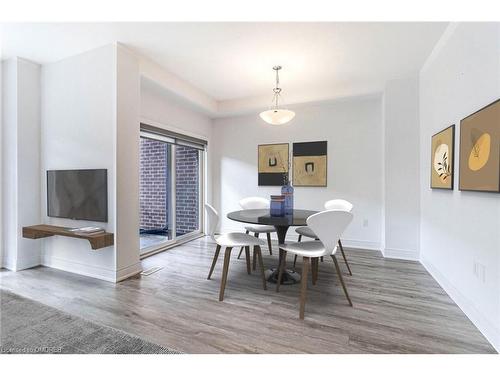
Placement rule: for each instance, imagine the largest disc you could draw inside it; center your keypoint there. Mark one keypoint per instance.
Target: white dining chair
(328, 227)
(228, 241)
(334, 204)
(257, 203)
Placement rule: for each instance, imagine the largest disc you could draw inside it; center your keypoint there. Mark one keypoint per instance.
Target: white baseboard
(485, 326)
(93, 271)
(20, 264)
(25, 263)
(361, 244)
(129, 271)
(80, 268)
(9, 263)
(401, 254)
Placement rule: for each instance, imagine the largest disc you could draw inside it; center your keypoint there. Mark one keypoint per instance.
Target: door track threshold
(150, 271)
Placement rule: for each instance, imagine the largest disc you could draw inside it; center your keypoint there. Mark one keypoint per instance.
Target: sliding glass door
(171, 189)
(155, 198)
(187, 190)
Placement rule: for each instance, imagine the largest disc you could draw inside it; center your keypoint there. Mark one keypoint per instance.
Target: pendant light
(277, 115)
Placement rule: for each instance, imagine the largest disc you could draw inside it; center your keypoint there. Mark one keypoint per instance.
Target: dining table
(295, 218)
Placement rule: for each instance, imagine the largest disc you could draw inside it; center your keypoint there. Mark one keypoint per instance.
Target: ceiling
(233, 61)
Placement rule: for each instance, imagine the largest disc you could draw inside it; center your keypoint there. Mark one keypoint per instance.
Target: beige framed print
(310, 163)
(480, 150)
(273, 161)
(442, 163)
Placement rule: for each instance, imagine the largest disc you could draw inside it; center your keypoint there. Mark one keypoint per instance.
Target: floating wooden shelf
(97, 241)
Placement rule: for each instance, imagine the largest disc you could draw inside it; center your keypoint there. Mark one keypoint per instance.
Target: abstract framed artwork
(480, 150)
(310, 163)
(273, 162)
(442, 163)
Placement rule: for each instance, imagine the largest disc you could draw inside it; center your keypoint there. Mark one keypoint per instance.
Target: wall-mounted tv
(80, 194)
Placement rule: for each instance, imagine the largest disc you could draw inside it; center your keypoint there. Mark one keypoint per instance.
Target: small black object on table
(281, 223)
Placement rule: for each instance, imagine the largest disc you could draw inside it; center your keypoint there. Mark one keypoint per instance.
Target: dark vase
(287, 192)
(277, 205)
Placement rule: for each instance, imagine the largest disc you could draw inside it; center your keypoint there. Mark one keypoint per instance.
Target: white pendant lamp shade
(277, 115)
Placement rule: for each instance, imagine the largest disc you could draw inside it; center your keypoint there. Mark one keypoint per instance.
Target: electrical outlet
(365, 222)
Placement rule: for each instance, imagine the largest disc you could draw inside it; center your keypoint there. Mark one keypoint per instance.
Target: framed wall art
(273, 162)
(310, 163)
(442, 163)
(480, 150)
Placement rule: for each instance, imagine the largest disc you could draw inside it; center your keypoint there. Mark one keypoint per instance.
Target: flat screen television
(80, 194)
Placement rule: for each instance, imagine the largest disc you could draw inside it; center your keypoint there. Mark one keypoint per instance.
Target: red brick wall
(187, 195)
(154, 186)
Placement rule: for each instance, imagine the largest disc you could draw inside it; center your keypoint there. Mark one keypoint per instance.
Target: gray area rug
(27, 326)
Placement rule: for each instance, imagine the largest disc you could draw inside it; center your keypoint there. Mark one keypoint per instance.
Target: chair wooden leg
(295, 257)
(214, 262)
(303, 287)
(341, 278)
(247, 257)
(281, 268)
(261, 265)
(269, 244)
(227, 256)
(314, 270)
(321, 258)
(254, 266)
(241, 250)
(345, 259)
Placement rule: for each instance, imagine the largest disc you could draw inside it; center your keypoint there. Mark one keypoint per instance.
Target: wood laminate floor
(398, 307)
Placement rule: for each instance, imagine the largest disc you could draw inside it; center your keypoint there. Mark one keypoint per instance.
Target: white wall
(90, 119)
(176, 87)
(92, 105)
(161, 108)
(78, 131)
(127, 164)
(21, 166)
(461, 228)
(353, 129)
(2, 180)
(9, 165)
(28, 164)
(401, 169)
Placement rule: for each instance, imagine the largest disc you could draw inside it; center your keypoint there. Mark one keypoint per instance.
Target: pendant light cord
(277, 89)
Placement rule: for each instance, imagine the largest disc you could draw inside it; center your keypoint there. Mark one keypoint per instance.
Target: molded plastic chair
(230, 240)
(257, 203)
(334, 204)
(328, 226)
